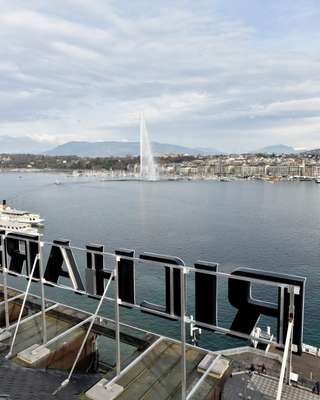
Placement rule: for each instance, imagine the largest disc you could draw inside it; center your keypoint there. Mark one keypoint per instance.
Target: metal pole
(117, 317)
(183, 334)
(284, 361)
(281, 339)
(93, 318)
(12, 298)
(201, 380)
(288, 344)
(62, 334)
(5, 282)
(33, 316)
(23, 305)
(134, 362)
(291, 318)
(290, 357)
(43, 300)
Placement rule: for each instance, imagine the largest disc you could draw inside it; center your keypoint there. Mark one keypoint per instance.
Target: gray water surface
(242, 223)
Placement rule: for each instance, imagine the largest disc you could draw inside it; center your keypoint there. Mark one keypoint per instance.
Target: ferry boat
(14, 215)
(9, 225)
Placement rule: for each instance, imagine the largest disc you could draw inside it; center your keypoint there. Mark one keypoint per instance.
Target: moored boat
(20, 216)
(14, 226)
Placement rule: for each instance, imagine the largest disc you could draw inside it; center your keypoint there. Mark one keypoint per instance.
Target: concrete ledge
(219, 367)
(247, 349)
(100, 391)
(31, 356)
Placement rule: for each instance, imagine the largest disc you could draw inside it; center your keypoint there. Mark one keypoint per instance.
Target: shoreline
(106, 176)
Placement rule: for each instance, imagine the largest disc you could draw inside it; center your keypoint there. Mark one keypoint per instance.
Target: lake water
(267, 226)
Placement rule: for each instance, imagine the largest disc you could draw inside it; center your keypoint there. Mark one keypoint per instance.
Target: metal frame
(32, 316)
(183, 333)
(18, 296)
(133, 363)
(62, 334)
(43, 300)
(23, 305)
(183, 318)
(117, 315)
(5, 281)
(92, 318)
(287, 354)
(284, 361)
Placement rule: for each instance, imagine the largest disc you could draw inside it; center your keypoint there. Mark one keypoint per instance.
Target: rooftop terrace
(151, 369)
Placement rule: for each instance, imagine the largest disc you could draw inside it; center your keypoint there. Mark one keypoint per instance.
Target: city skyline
(207, 74)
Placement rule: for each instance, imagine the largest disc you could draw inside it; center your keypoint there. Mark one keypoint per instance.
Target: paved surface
(269, 387)
(260, 387)
(239, 387)
(305, 365)
(25, 384)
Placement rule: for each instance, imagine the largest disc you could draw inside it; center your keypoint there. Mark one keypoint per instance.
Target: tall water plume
(148, 167)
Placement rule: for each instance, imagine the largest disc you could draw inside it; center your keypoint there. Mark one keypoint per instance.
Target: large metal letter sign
(19, 253)
(95, 275)
(250, 309)
(206, 293)
(22, 251)
(126, 276)
(173, 279)
(61, 253)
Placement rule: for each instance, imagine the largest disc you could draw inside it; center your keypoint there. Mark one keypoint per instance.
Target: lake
(267, 226)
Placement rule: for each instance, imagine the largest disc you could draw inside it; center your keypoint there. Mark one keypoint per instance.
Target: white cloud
(84, 70)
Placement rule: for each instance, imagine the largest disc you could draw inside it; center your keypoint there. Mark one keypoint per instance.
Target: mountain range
(276, 149)
(103, 149)
(27, 145)
(312, 152)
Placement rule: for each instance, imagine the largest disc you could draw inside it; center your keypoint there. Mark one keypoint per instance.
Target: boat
(20, 216)
(317, 180)
(13, 226)
(305, 179)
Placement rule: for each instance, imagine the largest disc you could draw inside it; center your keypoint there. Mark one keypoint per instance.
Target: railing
(184, 318)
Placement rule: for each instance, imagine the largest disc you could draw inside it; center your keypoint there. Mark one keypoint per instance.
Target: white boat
(14, 226)
(317, 180)
(14, 215)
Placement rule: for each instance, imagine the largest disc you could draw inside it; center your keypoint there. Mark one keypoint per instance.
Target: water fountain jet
(148, 167)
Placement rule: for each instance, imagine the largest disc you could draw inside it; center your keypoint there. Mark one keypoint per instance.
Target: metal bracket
(194, 330)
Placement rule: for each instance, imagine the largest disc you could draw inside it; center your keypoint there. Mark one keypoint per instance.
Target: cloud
(84, 70)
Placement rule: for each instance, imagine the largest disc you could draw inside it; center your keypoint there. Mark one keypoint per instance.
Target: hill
(114, 148)
(314, 152)
(277, 149)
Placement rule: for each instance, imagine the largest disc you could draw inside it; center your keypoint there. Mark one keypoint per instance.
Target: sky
(235, 75)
